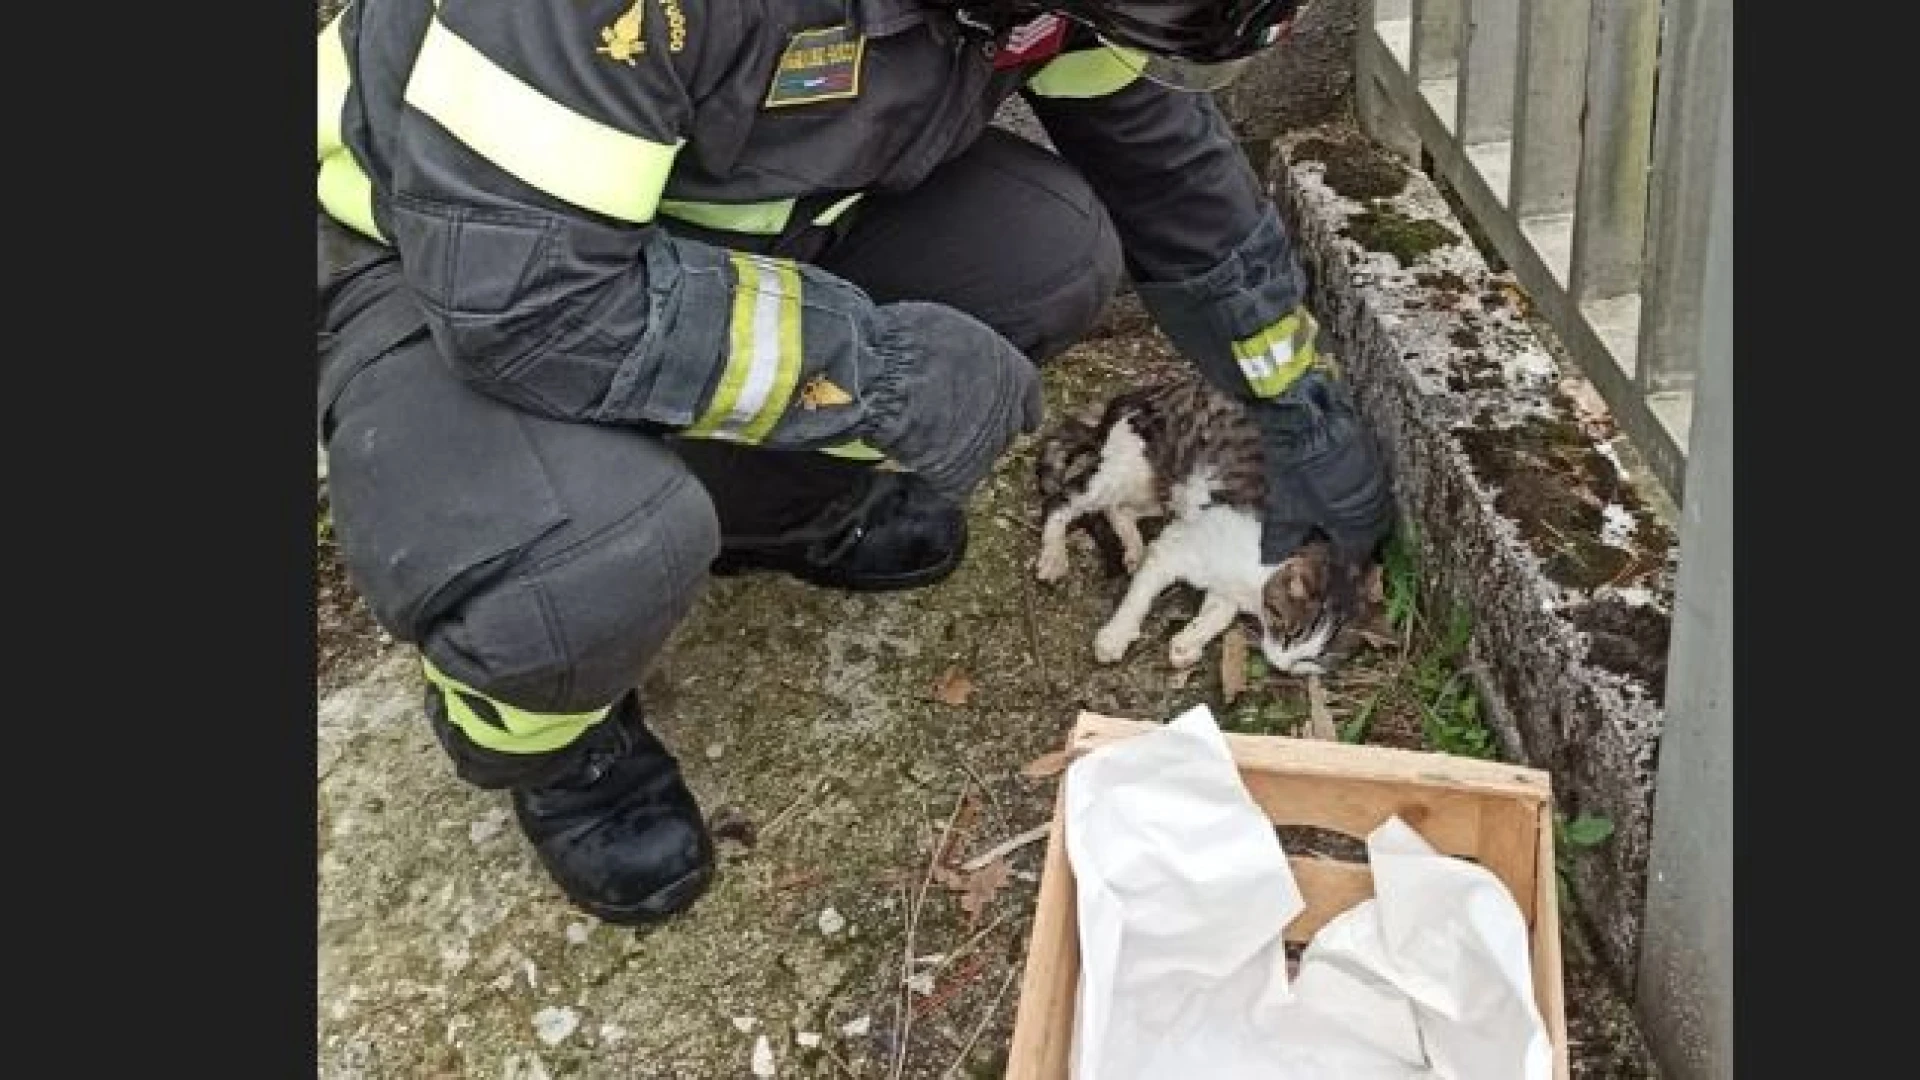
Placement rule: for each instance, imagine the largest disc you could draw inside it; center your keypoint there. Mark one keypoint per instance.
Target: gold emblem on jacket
(621, 41)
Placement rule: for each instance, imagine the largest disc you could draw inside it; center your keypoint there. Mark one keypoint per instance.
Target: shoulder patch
(818, 65)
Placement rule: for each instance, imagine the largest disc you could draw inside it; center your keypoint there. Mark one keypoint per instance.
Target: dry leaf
(1233, 664)
(1051, 763)
(953, 687)
(958, 837)
(977, 889)
(796, 878)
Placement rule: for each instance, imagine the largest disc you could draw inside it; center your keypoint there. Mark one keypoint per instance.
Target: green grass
(1274, 716)
(1432, 676)
(1583, 833)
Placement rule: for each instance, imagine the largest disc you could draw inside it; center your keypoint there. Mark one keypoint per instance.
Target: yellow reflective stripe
(1273, 358)
(832, 213)
(524, 732)
(1088, 73)
(763, 352)
(345, 191)
(335, 78)
(787, 375)
(755, 218)
(739, 353)
(854, 451)
(347, 194)
(537, 139)
(760, 219)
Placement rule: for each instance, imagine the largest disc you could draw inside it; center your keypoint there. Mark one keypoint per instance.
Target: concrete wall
(1508, 466)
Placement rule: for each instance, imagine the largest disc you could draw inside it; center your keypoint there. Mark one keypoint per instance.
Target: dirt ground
(833, 736)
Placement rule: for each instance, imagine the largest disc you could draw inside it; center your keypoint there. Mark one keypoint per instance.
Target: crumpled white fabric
(1183, 893)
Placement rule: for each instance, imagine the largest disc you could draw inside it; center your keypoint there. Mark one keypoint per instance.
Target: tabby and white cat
(1187, 452)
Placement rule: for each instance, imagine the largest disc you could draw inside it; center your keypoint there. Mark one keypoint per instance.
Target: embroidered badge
(1032, 41)
(820, 392)
(621, 41)
(819, 65)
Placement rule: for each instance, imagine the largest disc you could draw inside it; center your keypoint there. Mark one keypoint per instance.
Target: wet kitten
(1187, 452)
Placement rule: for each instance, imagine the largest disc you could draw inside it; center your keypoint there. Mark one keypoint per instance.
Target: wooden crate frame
(1497, 814)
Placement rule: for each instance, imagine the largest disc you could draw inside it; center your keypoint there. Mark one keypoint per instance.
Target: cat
(1184, 451)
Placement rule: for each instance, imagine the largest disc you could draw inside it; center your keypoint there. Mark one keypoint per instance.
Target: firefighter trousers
(539, 565)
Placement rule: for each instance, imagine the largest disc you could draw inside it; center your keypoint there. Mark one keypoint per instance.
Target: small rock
(831, 921)
(716, 751)
(554, 1023)
(808, 1039)
(612, 1033)
(762, 1057)
(921, 984)
(855, 1028)
(455, 956)
(488, 827)
(577, 932)
(745, 1023)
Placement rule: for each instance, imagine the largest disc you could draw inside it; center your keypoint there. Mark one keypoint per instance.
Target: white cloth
(1183, 893)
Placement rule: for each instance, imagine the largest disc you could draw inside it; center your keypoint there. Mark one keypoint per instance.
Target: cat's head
(1318, 608)
(1065, 459)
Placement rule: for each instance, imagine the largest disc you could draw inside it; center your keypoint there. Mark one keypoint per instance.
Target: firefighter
(618, 294)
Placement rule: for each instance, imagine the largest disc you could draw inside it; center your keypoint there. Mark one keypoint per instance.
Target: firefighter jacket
(521, 154)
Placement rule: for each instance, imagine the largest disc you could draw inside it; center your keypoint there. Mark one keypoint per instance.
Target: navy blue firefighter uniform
(616, 294)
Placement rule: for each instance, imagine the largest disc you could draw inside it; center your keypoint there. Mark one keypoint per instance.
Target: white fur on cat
(1214, 547)
(1122, 488)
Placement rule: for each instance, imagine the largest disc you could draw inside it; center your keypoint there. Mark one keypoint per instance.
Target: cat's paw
(1052, 563)
(1110, 644)
(1184, 652)
(1130, 556)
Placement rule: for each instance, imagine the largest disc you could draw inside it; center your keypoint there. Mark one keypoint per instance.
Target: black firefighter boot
(609, 816)
(890, 532)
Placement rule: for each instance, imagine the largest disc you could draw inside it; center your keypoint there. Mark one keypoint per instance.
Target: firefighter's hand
(1323, 469)
(949, 395)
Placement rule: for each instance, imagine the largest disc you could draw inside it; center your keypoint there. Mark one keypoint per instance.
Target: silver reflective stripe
(768, 297)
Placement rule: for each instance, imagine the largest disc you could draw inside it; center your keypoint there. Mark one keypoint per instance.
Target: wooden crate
(1499, 815)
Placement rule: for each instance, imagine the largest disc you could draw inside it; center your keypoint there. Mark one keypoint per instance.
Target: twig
(781, 817)
(1010, 844)
(913, 926)
(826, 1047)
(938, 999)
(1033, 636)
(985, 1019)
(967, 945)
(992, 803)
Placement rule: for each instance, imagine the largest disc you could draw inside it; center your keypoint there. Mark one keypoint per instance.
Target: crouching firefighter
(619, 294)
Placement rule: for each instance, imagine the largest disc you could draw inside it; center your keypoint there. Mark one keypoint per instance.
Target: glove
(1323, 470)
(949, 396)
